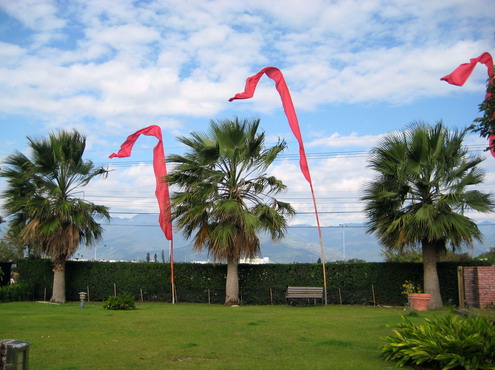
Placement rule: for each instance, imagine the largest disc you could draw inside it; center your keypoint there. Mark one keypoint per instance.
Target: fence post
(209, 299)
(340, 297)
(271, 297)
(115, 289)
(87, 289)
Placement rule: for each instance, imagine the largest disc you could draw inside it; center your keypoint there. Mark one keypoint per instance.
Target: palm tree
(419, 196)
(40, 198)
(225, 196)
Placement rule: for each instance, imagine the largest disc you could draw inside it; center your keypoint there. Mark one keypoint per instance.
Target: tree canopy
(42, 201)
(426, 180)
(225, 196)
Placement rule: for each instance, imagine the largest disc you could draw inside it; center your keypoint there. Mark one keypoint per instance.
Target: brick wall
(479, 286)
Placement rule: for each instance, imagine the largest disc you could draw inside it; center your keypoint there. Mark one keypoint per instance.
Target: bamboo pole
(172, 273)
(322, 251)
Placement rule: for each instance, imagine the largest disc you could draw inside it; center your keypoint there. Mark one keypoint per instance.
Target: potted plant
(416, 298)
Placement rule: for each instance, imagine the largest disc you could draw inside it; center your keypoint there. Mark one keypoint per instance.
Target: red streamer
(460, 75)
(161, 191)
(276, 75)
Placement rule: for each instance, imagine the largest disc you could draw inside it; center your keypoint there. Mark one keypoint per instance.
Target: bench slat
(304, 292)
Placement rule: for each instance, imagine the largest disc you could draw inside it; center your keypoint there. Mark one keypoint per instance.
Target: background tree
(414, 254)
(485, 125)
(408, 253)
(487, 256)
(9, 252)
(40, 198)
(225, 196)
(421, 192)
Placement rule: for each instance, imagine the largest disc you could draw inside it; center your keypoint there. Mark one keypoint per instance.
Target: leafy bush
(445, 342)
(15, 292)
(123, 301)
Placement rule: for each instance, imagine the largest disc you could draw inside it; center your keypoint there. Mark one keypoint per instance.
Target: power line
(291, 156)
(289, 227)
(297, 213)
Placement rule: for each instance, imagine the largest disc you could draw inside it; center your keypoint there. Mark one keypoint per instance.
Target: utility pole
(343, 241)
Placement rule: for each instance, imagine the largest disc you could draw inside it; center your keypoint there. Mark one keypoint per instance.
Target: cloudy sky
(357, 69)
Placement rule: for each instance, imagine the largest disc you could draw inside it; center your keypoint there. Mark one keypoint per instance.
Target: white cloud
(104, 65)
(180, 58)
(353, 140)
(38, 15)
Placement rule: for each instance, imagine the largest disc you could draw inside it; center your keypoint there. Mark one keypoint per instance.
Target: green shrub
(15, 292)
(443, 342)
(123, 301)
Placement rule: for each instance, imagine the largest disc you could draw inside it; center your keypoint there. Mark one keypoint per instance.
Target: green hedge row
(349, 283)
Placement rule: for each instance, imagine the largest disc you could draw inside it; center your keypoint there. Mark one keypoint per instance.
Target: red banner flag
(276, 75)
(161, 192)
(462, 73)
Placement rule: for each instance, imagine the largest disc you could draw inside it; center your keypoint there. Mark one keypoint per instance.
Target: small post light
(17, 355)
(82, 297)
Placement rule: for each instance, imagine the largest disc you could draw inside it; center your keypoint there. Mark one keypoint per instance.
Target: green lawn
(161, 336)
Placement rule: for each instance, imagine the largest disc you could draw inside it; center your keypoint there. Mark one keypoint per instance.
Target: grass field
(165, 336)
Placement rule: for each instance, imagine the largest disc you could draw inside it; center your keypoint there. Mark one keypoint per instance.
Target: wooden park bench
(304, 292)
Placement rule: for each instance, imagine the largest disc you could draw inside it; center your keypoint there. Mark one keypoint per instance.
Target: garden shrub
(124, 301)
(443, 342)
(15, 292)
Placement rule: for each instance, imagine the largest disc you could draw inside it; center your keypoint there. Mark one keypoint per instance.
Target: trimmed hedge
(353, 283)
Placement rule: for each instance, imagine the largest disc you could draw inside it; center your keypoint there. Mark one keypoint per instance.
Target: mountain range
(133, 238)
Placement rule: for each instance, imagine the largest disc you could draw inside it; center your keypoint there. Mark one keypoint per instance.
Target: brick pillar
(486, 286)
(479, 286)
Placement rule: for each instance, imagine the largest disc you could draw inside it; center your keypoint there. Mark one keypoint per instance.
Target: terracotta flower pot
(419, 301)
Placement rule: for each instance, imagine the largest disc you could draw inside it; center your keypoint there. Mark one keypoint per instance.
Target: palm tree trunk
(430, 274)
(58, 294)
(232, 284)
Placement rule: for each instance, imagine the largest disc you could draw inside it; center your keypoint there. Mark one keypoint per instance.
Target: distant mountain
(132, 238)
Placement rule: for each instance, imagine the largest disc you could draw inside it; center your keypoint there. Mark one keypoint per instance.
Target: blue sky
(356, 70)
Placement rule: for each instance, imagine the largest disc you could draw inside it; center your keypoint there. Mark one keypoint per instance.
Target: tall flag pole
(276, 75)
(161, 190)
(460, 75)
